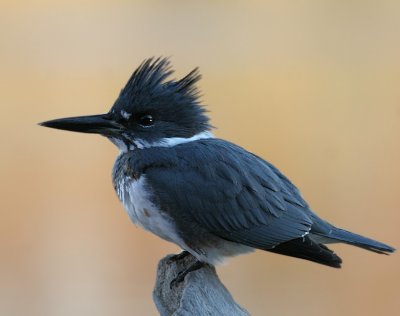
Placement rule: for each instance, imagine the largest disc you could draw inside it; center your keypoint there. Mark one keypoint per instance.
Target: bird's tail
(308, 249)
(341, 235)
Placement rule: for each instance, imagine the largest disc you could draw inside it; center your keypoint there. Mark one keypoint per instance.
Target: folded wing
(230, 193)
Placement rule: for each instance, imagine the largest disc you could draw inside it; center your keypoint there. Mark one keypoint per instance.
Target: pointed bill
(97, 124)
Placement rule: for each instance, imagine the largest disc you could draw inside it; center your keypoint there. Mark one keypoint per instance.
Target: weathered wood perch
(201, 293)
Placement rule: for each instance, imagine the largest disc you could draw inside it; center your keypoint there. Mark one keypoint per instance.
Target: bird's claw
(182, 274)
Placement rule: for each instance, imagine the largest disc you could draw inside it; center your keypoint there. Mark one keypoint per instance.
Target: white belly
(134, 195)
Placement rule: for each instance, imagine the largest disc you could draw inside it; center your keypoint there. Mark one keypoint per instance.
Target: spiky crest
(151, 78)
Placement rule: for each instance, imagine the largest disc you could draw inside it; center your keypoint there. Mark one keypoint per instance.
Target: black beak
(97, 124)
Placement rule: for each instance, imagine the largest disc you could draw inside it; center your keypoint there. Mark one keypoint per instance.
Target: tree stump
(201, 292)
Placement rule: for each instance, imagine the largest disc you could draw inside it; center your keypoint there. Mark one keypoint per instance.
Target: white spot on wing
(306, 233)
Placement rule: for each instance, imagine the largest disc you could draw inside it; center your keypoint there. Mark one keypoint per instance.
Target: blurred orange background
(312, 86)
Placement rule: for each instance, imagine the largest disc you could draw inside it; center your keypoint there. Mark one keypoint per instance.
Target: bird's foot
(182, 274)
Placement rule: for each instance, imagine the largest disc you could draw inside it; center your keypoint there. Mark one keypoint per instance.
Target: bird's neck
(172, 141)
(132, 162)
(135, 144)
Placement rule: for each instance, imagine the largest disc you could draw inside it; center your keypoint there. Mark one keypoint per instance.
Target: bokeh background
(312, 86)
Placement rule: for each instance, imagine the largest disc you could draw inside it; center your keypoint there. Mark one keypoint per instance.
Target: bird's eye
(146, 120)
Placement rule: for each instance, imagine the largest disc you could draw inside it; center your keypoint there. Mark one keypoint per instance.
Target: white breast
(134, 194)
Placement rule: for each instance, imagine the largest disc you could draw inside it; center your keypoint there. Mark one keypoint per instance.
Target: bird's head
(151, 109)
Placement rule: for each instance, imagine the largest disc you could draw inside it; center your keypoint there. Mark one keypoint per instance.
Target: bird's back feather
(214, 186)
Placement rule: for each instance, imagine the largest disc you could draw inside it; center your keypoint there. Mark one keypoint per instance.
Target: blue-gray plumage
(211, 197)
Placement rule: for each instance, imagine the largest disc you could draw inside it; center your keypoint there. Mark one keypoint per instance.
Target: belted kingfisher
(211, 197)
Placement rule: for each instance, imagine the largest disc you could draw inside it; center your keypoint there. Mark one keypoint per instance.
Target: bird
(211, 197)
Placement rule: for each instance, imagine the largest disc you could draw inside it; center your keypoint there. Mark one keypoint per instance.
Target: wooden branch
(201, 293)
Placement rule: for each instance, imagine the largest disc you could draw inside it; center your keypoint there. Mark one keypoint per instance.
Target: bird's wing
(231, 193)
